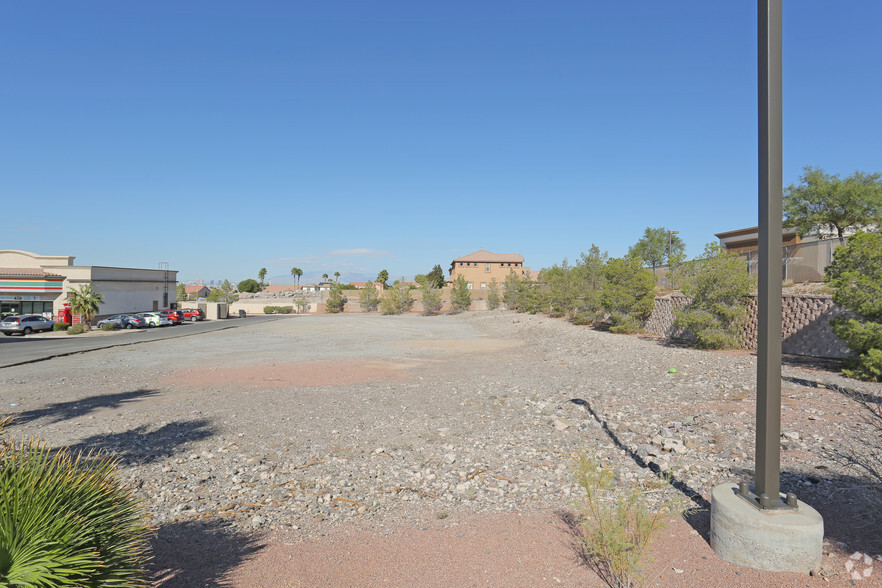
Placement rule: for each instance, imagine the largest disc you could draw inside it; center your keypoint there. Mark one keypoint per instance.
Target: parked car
(25, 324)
(124, 321)
(175, 317)
(154, 319)
(193, 314)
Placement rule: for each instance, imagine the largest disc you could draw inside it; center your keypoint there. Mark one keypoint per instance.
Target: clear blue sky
(355, 136)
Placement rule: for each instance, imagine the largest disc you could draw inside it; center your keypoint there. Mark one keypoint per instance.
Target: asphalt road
(17, 350)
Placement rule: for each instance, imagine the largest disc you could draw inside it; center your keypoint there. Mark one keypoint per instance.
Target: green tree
(181, 292)
(248, 285)
(856, 275)
(719, 287)
(325, 277)
(337, 277)
(830, 206)
(297, 272)
(369, 298)
(460, 295)
(223, 294)
(431, 298)
(261, 275)
(656, 246)
(420, 279)
(301, 303)
(383, 277)
(437, 277)
(511, 286)
(628, 293)
(493, 298)
(336, 300)
(85, 301)
(397, 299)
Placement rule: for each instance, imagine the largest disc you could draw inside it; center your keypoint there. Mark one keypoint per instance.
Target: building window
(469, 285)
(483, 285)
(488, 268)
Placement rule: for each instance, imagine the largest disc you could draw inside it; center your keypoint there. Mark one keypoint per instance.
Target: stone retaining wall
(805, 326)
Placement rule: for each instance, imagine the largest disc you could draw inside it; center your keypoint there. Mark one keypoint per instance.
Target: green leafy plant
(718, 286)
(460, 295)
(249, 285)
(628, 293)
(856, 275)
(85, 301)
(66, 520)
(277, 309)
(397, 299)
(336, 301)
(431, 298)
(76, 329)
(493, 298)
(619, 523)
(109, 327)
(369, 298)
(60, 326)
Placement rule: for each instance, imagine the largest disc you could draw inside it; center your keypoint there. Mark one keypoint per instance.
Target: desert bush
(336, 300)
(620, 524)
(460, 295)
(277, 309)
(369, 298)
(573, 290)
(493, 299)
(301, 303)
(628, 293)
(60, 326)
(109, 327)
(856, 276)
(719, 287)
(397, 299)
(75, 330)
(431, 298)
(66, 520)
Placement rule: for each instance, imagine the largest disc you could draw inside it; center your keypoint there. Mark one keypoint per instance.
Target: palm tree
(299, 273)
(294, 272)
(337, 275)
(325, 277)
(85, 302)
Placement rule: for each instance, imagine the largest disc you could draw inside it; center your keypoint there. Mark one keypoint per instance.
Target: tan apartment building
(480, 267)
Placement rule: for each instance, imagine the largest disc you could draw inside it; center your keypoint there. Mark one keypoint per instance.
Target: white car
(154, 319)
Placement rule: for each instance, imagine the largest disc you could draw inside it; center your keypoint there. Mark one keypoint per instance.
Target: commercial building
(39, 284)
(480, 267)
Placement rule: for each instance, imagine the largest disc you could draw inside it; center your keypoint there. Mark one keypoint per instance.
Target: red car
(193, 314)
(175, 317)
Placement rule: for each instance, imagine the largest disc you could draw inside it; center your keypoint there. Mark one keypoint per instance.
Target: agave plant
(65, 520)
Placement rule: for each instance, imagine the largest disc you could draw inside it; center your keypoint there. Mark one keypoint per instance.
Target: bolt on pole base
(764, 502)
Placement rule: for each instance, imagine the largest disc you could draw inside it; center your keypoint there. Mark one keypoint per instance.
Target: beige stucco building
(480, 267)
(38, 284)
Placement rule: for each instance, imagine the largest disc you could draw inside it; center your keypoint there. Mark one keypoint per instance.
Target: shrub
(619, 524)
(718, 286)
(856, 275)
(397, 299)
(75, 329)
(431, 298)
(369, 298)
(628, 293)
(460, 295)
(108, 327)
(301, 302)
(336, 300)
(60, 326)
(66, 520)
(493, 299)
(277, 309)
(249, 285)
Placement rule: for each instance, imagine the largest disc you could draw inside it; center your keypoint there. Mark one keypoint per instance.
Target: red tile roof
(27, 271)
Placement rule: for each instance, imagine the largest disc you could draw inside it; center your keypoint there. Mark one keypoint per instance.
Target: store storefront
(29, 291)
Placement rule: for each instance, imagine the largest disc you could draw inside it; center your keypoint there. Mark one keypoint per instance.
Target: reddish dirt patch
(278, 375)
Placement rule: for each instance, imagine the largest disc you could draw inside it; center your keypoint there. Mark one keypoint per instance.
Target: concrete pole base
(785, 540)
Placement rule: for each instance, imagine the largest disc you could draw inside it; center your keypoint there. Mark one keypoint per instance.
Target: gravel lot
(298, 424)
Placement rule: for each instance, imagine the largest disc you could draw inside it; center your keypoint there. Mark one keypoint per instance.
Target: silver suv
(25, 324)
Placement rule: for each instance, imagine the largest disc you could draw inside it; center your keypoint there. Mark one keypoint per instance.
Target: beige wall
(486, 271)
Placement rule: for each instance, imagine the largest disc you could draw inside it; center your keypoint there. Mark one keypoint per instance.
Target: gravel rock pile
(492, 409)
